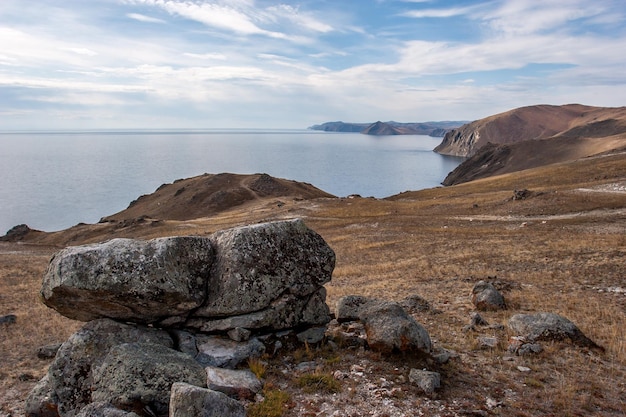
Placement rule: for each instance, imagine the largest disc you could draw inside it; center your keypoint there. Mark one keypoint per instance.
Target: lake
(54, 180)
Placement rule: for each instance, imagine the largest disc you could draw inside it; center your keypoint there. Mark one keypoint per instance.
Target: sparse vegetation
(436, 243)
(322, 382)
(273, 405)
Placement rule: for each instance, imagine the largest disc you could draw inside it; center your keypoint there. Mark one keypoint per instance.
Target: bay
(54, 180)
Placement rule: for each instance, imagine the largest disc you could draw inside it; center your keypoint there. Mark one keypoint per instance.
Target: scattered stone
(549, 326)
(130, 280)
(520, 346)
(48, 351)
(428, 381)
(134, 376)
(521, 194)
(486, 297)
(8, 319)
(238, 384)
(477, 320)
(415, 304)
(226, 353)
(485, 342)
(191, 401)
(523, 369)
(390, 328)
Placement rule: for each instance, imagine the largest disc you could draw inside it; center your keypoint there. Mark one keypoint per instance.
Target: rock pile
(168, 312)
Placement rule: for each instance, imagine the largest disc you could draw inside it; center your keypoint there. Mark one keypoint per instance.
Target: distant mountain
(533, 122)
(436, 129)
(531, 137)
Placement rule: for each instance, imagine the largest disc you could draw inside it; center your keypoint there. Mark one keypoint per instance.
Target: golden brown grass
(559, 251)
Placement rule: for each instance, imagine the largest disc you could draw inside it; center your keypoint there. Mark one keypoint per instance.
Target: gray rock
(42, 401)
(312, 335)
(390, 328)
(48, 351)
(184, 341)
(349, 307)
(486, 342)
(415, 304)
(549, 326)
(486, 297)
(239, 334)
(102, 409)
(286, 312)
(70, 374)
(239, 384)
(225, 353)
(256, 265)
(428, 381)
(191, 401)
(130, 280)
(8, 319)
(137, 376)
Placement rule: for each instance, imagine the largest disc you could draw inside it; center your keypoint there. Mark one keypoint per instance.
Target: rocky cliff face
(533, 122)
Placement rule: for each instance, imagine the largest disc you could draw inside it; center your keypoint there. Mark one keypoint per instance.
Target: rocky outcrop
(247, 282)
(266, 276)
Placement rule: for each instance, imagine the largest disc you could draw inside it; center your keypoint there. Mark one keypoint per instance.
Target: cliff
(531, 123)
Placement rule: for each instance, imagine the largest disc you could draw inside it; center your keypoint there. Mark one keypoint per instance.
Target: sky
(124, 64)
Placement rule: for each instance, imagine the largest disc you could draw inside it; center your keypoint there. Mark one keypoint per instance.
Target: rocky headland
(435, 129)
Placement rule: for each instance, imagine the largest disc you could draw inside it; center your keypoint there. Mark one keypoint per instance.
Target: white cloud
(450, 12)
(81, 51)
(144, 18)
(207, 56)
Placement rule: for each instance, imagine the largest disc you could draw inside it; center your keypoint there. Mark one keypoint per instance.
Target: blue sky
(99, 64)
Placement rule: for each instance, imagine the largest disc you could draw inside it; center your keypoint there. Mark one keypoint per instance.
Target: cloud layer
(261, 63)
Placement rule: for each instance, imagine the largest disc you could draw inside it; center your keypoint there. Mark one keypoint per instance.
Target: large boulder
(549, 326)
(226, 353)
(234, 383)
(67, 386)
(131, 280)
(139, 376)
(268, 273)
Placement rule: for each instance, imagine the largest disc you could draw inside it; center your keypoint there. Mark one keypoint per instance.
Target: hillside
(534, 122)
(555, 250)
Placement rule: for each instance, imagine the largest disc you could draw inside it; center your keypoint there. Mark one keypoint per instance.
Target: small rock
(238, 384)
(226, 353)
(428, 381)
(8, 319)
(48, 351)
(104, 409)
(477, 320)
(487, 342)
(190, 401)
(486, 297)
(523, 369)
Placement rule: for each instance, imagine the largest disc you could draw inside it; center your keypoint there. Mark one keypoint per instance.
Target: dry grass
(559, 251)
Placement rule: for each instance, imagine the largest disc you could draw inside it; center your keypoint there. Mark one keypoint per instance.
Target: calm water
(51, 181)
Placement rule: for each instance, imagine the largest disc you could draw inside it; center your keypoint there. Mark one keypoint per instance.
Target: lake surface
(54, 180)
